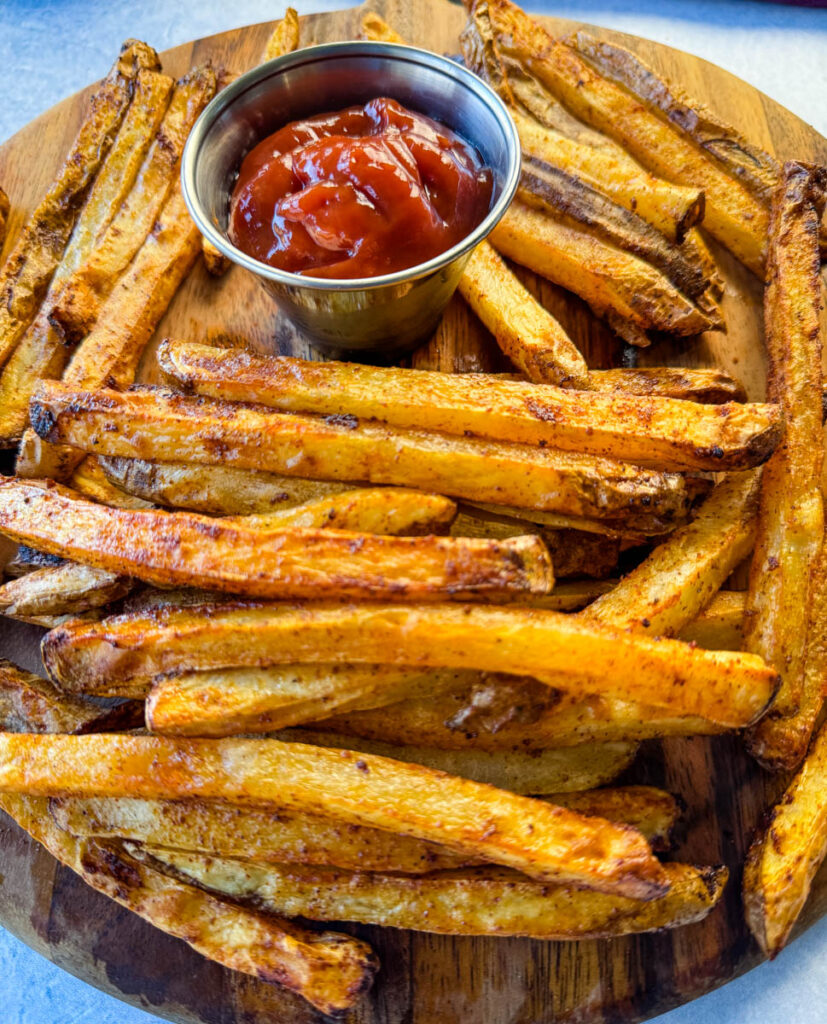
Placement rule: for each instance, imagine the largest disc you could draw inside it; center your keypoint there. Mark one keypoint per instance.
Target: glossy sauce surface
(358, 193)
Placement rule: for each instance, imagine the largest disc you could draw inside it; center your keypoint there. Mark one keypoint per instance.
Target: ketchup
(362, 192)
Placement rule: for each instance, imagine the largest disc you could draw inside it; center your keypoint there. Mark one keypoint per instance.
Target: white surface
(780, 49)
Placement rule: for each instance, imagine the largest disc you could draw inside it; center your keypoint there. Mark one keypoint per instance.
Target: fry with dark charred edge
(31, 704)
(526, 332)
(659, 431)
(330, 970)
(61, 590)
(791, 517)
(610, 280)
(26, 273)
(156, 424)
(122, 654)
(786, 853)
(362, 789)
(285, 36)
(186, 549)
(733, 214)
(475, 901)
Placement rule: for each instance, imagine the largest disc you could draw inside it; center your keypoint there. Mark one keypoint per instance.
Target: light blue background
(51, 49)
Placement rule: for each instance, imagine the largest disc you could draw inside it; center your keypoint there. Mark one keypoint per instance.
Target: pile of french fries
(380, 638)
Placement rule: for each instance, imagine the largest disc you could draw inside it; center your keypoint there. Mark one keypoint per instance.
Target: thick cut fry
(787, 852)
(182, 548)
(155, 424)
(31, 704)
(26, 273)
(480, 901)
(791, 519)
(544, 841)
(61, 590)
(90, 480)
(285, 37)
(328, 969)
(669, 434)
(526, 332)
(733, 214)
(713, 387)
(610, 280)
(566, 652)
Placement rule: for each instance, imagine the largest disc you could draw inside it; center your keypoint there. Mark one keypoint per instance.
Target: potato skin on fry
(61, 590)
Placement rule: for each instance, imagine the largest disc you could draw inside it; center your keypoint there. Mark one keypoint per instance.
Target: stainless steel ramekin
(394, 312)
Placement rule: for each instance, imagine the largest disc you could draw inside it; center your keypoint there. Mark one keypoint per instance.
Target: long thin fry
(182, 548)
(546, 842)
(671, 435)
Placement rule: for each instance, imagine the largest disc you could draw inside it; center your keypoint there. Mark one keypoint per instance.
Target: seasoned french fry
(651, 811)
(526, 332)
(28, 560)
(377, 29)
(155, 424)
(121, 654)
(328, 969)
(363, 789)
(787, 852)
(61, 590)
(285, 37)
(791, 518)
(720, 626)
(659, 431)
(31, 704)
(610, 280)
(26, 273)
(713, 387)
(90, 481)
(270, 563)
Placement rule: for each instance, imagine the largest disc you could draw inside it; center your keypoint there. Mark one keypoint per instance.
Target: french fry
(786, 853)
(362, 789)
(720, 626)
(29, 267)
(285, 37)
(61, 590)
(610, 280)
(526, 332)
(328, 969)
(5, 206)
(270, 563)
(28, 560)
(31, 704)
(215, 261)
(733, 214)
(90, 481)
(713, 387)
(651, 811)
(154, 424)
(662, 432)
(791, 517)
(377, 29)
(123, 653)
(480, 901)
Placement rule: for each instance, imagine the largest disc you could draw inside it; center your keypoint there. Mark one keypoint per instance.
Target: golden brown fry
(659, 431)
(285, 37)
(479, 901)
(526, 332)
(733, 215)
(648, 809)
(28, 560)
(90, 481)
(713, 387)
(26, 273)
(182, 548)
(215, 261)
(791, 519)
(720, 626)
(362, 789)
(377, 29)
(156, 424)
(61, 590)
(121, 654)
(328, 969)
(610, 280)
(31, 704)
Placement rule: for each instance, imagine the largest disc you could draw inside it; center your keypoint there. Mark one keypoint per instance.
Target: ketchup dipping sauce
(363, 192)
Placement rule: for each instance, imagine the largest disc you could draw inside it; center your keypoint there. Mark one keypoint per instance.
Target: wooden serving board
(425, 978)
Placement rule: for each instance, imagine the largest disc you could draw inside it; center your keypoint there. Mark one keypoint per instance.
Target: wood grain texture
(429, 978)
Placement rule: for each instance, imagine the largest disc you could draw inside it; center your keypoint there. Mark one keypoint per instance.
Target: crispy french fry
(28, 560)
(720, 626)
(285, 37)
(90, 481)
(786, 853)
(526, 332)
(659, 431)
(377, 29)
(269, 562)
(122, 654)
(328, 969)
(791, 518)
(610, 280)
(648, 809)
(26, 273)
(155, 424)
(31, 704)
(61, 590)
(363, 789)
(733, 214)
(713, 387)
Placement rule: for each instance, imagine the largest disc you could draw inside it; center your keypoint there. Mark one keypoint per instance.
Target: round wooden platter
(425, 978)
